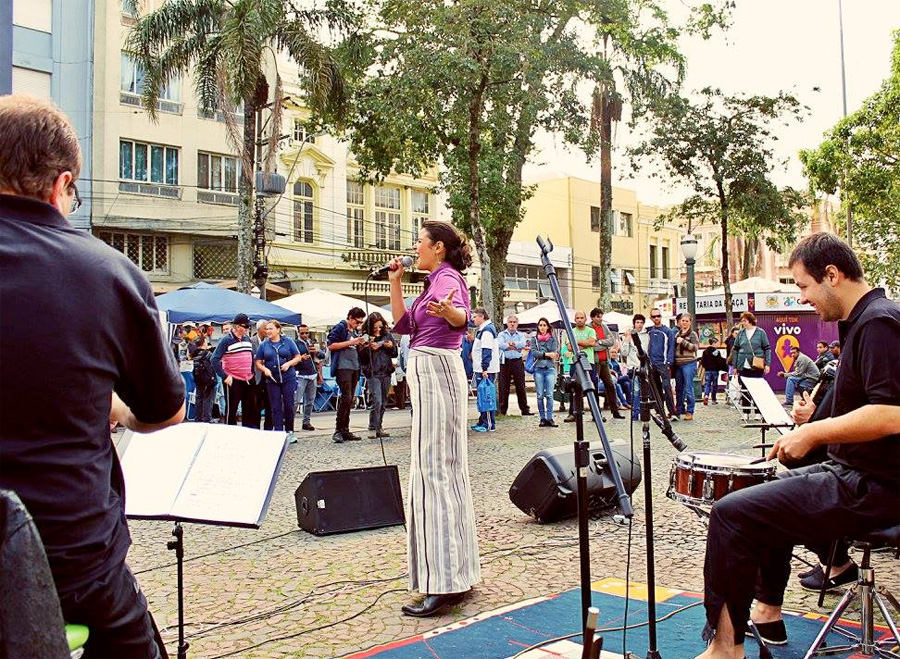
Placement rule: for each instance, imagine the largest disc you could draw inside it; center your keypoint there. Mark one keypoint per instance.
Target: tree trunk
(726, 277)
(474, 152)
(606, 212)
(246, 208)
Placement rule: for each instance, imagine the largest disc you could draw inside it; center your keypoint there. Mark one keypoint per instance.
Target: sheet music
(202, 472)
(154, 466)
(769, 406)
(228, 482)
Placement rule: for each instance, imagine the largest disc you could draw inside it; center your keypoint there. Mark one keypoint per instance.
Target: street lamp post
(689, 249)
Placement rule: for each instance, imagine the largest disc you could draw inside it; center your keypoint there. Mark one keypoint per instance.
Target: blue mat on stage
(503, 633)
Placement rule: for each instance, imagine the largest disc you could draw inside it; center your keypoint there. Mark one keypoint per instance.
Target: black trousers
(512, 369)
(753, 531)
(347, 379)
(115, 611)
(243, 393)
(260, 403)
(609, 385)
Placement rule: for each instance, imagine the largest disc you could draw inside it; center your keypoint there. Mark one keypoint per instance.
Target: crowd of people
(62, 489)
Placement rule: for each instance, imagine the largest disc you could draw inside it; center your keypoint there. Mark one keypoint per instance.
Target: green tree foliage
(223, 44)
(860, 156)
(467, 83)
(722, 147)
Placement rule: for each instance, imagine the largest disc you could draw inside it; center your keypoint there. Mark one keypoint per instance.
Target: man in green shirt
(586, 338)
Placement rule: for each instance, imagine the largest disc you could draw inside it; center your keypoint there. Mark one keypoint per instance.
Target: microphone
(405, 260)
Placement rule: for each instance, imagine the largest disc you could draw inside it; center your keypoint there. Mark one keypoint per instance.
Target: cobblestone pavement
(281, 592)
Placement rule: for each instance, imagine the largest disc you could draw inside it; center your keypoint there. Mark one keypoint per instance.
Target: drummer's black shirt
(77, 321)
(869, 373)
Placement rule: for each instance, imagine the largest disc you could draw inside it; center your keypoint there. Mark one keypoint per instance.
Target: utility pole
(260, 267)
(844, 99)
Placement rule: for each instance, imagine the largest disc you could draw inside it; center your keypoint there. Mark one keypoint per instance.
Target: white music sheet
(770, 408)
(231, 475)
(202, 472)
(155, 465)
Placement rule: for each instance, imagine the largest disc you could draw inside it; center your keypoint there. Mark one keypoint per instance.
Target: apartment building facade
(646, 262)
(166, 190)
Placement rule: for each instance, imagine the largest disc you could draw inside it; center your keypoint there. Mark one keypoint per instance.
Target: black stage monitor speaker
(546, 487)
(349, 500)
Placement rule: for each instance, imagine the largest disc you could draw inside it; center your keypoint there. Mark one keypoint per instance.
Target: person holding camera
(343, 343)
(377, 358)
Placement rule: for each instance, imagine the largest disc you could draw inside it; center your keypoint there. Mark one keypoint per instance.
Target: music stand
(202, 473)
(774, 416)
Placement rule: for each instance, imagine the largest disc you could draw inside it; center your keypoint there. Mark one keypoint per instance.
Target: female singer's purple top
(432, 331)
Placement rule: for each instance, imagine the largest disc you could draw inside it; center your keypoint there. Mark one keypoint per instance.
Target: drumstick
(758, 460)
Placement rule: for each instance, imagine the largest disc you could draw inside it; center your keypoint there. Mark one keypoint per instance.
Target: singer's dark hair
(356, 312)
(369, 325)
(818, 251)
(638, 316)
(459, 253)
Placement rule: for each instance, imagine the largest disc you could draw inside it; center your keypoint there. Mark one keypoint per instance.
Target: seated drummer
(752, 532)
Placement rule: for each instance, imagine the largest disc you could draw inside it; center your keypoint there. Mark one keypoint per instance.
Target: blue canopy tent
(204, 302)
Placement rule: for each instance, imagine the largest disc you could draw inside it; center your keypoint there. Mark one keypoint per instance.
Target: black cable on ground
(214, 553)
(314, 629)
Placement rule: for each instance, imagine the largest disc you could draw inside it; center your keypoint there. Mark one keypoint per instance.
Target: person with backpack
(204, 379)
(712, 363)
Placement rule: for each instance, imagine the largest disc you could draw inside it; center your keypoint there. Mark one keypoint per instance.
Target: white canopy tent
(321, 309)
(621, 321)
(528, 319)
(755, 285)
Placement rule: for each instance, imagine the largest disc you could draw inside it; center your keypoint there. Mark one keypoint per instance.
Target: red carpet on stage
(505, 632)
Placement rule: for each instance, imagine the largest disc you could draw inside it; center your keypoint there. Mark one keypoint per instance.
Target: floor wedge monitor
(546, 486)
(349, 500)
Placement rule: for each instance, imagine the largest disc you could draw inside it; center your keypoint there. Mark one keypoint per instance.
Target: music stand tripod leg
(177, 545)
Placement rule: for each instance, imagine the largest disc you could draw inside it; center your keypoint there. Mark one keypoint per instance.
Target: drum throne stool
(869, 597)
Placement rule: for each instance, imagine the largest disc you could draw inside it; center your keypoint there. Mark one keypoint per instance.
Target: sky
(772, 45)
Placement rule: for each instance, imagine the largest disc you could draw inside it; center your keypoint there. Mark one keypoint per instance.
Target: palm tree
(223, 45)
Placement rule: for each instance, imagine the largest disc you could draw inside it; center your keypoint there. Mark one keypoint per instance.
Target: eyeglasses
(76, 200)
(656, 316)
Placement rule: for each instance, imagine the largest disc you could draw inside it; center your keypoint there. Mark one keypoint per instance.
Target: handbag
(529, 362)
(487, 396)
(758, 363)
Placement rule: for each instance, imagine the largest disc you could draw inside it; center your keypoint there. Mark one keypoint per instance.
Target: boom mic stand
(583, 387)
(651, 396)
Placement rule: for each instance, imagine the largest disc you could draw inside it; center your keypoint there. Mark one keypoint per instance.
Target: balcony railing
(383, 287)
(151, 189)
(370, 258)
(171, 107)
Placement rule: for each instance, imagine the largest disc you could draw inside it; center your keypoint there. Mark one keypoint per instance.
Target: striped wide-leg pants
(442, 545)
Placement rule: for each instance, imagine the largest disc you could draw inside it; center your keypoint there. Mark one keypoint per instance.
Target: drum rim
(683, 461)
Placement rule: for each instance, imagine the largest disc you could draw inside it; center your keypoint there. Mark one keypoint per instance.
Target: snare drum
(702, 478)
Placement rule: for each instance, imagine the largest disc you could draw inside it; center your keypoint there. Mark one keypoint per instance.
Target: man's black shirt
(77, 321)
(869, 373)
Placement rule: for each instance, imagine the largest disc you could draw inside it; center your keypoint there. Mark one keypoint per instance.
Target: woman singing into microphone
(442, 546)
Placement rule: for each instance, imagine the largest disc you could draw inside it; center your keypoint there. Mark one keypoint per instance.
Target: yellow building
(646, 262)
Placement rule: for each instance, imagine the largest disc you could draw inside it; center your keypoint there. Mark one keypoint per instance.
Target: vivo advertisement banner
(785, 321)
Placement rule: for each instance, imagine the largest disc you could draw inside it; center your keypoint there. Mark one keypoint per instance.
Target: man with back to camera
(343, 344)
(260, 392)
(752, 532)
(116, 368)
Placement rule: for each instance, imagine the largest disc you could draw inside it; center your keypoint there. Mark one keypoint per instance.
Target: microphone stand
(584, 388)
(651, 395)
